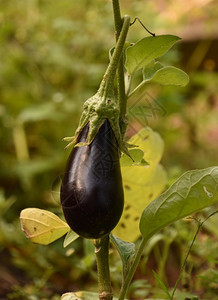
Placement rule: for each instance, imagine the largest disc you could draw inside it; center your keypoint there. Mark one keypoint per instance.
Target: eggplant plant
(97, 193)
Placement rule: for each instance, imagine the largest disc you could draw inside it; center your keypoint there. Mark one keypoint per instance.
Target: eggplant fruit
(92, 192)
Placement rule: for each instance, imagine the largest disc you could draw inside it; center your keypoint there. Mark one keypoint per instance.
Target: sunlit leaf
(151, 143)
(81, 295)
(142, 184)
(135, 159)
(147, 49)
(193, 191)
(42, 226)
(70, 237)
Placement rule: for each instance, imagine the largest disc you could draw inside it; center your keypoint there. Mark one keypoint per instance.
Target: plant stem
(117, 17)
(122, 98)
(101, 252)
(107, 85)
(132, 270)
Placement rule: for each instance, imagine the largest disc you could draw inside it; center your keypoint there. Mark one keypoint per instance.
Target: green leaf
(170, 76)
(147, 49)
(161, 283)
(70, 237)
(42, 226)
(166, 75)
(126, 251)
(155, 72)
(193, 191)
(151, 68)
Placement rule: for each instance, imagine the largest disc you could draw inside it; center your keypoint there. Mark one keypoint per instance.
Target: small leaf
(70, 237)
(163, 75)
(151, 68)
(81, 295)
(161, 283)
(170, 76)
(147, 49)
(70, 296)
(151, 143)
(126, 251)
(42, 226)
(186, 196)
(135, 159)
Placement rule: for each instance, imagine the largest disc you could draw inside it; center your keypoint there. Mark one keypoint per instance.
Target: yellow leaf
(142, 184)
(42, 226)
(150, 142)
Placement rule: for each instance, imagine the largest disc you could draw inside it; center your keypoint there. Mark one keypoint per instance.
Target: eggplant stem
(102, 253)
(107, 85)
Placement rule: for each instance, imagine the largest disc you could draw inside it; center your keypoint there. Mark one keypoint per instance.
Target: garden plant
(99, 195)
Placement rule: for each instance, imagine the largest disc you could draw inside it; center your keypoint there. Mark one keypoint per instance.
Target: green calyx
(96, 109)
(104, 105)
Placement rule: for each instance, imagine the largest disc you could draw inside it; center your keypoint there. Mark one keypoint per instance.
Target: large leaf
(147, 49)
(193, 191)
(142, 184)
(42, 226)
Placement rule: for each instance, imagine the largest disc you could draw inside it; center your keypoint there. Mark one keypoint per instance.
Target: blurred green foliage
(53, 55)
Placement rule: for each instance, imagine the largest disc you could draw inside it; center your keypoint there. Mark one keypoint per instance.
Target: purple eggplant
(92, 192)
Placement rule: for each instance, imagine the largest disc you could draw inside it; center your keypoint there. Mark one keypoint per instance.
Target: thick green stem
(117, 17)
(104, 283)
(132, 270)
(107, 84)
(120, 70)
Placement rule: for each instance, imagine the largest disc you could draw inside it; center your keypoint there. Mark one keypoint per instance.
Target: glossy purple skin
(92, 191)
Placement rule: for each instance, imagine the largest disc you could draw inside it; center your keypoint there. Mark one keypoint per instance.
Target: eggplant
(92, 195)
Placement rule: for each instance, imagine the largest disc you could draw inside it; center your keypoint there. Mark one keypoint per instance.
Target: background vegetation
(53, 55)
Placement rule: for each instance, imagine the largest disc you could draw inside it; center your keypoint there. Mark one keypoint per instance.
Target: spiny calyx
(95, 111)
